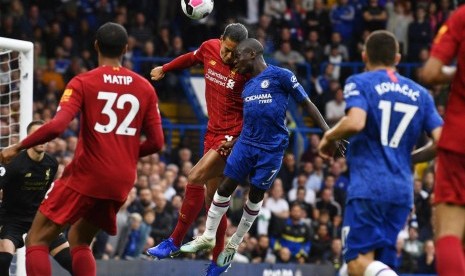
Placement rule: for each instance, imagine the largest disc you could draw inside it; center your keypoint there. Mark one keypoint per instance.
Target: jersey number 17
(386, 109)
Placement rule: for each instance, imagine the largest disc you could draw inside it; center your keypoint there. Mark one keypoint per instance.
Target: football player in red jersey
(116, 105)
(224, 106)
(449, 190)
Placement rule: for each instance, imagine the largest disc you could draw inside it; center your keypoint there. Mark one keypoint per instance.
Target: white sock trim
(252, 208)
(378, 268)
(220, 199)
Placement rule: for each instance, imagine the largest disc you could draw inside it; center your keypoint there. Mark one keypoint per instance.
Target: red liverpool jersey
(223, 87)
(115, 104)
(448, 44)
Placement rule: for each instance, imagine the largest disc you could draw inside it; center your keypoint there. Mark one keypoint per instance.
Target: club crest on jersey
(265, 84)
(212, 62)
(47, 174)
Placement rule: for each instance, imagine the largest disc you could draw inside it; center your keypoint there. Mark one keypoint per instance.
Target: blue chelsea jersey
(266, 99)
(379, 157)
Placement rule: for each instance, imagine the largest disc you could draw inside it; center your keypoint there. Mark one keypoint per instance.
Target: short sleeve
(432, 119)
(354, 95)
(292, 86)
(447, 41)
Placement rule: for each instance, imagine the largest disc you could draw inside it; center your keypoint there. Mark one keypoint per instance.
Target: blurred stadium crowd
(301, 219)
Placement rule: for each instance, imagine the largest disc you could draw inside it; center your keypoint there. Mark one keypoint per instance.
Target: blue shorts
(372, 226)
(258, 165)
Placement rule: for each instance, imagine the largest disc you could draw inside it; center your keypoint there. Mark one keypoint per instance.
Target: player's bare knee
(225, 190)
(256, 195)
(196, 177)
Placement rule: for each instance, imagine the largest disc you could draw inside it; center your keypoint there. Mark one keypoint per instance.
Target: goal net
(16, 80)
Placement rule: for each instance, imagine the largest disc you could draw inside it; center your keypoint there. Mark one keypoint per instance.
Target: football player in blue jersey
(258, 152)
(385, 115)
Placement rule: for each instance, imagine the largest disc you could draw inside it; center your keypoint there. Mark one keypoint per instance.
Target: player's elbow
(158, 145)
(436, 134)
(434, 72)
(356, 126)
(428, 77)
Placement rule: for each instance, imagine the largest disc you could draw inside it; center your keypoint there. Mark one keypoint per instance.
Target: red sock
(220, 233)
(449, 256)
(37, 261)
(83, 261)
(191, 206)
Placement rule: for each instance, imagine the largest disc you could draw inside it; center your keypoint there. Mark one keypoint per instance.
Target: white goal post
(17, 82)
(25, 50)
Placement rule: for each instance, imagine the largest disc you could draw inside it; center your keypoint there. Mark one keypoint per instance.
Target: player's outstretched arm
(320, 121)
(435, 72)
(45, 133)
(427, 152)
(157, 73)
(179, 63)
(349, 125)
(9, 153)
(315, 114)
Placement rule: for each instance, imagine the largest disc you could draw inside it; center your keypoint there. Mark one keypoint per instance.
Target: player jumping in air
(385, 115)
(116, 105)
(24, 182)
(449, 189)
(259, 150)
(223, 88)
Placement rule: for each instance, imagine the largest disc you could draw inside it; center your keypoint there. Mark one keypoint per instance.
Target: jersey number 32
(108, 109)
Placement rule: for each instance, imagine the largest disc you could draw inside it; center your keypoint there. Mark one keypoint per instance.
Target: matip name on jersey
(116, 79)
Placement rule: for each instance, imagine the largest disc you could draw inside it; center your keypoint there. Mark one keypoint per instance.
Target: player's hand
(8, 153)
(225, 148)
(157, 73)
(341, 148)
(326, 148)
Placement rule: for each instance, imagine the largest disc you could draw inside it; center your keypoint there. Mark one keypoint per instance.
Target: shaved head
(251, 44)
(248, 57)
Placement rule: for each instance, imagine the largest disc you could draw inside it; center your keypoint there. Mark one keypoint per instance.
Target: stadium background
(319, 40)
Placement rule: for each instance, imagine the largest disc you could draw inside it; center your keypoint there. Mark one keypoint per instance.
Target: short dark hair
(34, 123)
(111, 39)
(235, 32)
(251, 44)
(381, 48)
(296, 204)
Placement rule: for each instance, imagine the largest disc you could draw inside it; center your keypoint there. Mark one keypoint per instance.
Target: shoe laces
(201, 238)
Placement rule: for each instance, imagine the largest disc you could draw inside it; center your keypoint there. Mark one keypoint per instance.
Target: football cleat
(214, 270)
(164, 250)
(199, 243)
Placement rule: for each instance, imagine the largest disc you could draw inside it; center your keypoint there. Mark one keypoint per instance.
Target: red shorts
(64, 205)
(450, 178)
(213, 141)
